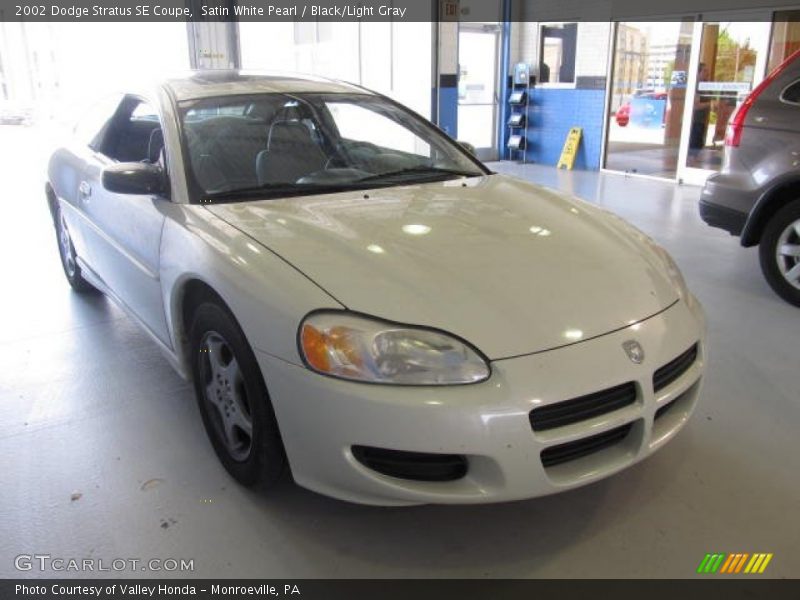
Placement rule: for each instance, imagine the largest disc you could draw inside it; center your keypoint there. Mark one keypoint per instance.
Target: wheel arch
(187, 296)
(766, 206)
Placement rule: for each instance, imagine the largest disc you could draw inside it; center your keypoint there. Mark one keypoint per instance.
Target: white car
(358, 299)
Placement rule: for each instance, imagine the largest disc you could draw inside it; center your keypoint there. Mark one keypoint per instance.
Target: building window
(312, 33)
(785, 37)
(557, 53)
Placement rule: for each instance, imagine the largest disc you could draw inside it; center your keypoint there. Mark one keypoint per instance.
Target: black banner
(417, 589)
(375, 10)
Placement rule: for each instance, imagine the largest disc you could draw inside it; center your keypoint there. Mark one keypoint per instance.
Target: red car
(623, 114)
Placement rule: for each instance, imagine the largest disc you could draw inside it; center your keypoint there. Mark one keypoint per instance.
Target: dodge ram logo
(634, 351)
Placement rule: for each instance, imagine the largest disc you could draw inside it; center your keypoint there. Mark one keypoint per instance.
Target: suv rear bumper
(726, 201)
(722, 217)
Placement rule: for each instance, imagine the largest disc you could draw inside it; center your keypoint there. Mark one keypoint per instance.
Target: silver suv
(756, 195)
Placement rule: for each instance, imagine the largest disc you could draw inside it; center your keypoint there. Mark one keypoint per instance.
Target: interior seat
(223, 151)
(155, 148)
(291, 154)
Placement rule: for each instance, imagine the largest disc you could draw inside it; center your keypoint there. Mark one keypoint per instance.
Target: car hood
(511, 267)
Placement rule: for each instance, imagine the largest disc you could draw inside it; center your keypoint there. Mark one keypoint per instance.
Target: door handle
(84, 189)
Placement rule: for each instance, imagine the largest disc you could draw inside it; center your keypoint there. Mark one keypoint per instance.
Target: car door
(67, 172)
(125, 238)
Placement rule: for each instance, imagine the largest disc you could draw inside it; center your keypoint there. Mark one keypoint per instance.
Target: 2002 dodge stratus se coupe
(357, 298)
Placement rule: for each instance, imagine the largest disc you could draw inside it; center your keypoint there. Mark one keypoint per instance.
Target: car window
(362, 123)
(134, 134)
(280, 145)
(200, 114)
(144, 111)
(792, 93)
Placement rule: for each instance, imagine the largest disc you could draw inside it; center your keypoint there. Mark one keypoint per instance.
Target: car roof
(211, 83)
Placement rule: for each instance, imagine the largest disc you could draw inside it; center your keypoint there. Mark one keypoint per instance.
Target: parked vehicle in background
(14, 114)
(623, 114)
(756, 195)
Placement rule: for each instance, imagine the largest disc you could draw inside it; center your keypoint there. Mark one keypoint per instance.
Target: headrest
(155, 146)
(288, 132)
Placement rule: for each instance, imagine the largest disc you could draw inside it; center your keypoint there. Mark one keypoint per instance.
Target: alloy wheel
(65, 246)
(225, 391)
(787, 253)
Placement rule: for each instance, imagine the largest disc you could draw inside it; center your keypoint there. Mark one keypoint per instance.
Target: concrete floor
(87, 406)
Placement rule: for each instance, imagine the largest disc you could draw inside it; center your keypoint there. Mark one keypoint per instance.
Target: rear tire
(69, 258)
(779, 252)
(233, 399)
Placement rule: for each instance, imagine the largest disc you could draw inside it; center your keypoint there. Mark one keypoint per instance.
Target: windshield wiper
(287, 190)
(419, 170)
(280, 190)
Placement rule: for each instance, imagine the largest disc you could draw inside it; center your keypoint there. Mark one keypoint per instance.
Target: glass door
(728, 60)
(478, 47)
(647, 96)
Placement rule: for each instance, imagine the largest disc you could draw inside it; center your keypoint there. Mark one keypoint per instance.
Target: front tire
(69, 258)
(779, 252)
(233, 399)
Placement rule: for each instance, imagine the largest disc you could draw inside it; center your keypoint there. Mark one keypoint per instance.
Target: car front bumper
(322, 418)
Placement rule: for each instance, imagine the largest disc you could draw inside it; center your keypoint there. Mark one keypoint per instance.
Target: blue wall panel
(552, 112)
(448, 110)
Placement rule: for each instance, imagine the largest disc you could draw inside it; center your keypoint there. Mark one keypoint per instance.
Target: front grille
(663, 410)
(585, 407)
(418, 466)
(667, 407)
(674, 369)
(583, 447)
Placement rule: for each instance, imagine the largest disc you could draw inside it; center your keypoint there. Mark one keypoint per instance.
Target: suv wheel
(779, 252)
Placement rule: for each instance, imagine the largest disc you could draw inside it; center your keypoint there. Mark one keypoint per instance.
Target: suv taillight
(733, 132)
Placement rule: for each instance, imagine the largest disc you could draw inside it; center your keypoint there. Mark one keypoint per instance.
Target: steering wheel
(342, 158)
(227, 184)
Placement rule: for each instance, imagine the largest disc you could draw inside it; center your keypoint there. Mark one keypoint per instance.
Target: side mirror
(134, 178)
(469, 148)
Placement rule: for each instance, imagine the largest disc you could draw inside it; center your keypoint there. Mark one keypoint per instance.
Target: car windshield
(278, 145)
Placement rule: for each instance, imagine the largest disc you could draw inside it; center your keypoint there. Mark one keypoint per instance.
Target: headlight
(363, 349)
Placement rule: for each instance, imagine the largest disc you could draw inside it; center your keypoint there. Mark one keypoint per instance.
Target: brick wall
(555, 109)
(553, 112)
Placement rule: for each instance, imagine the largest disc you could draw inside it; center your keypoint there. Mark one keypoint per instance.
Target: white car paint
(548, 287)
(321, 418)
(511, 267)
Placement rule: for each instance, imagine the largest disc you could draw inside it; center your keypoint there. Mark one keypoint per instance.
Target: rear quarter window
(792, 93)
